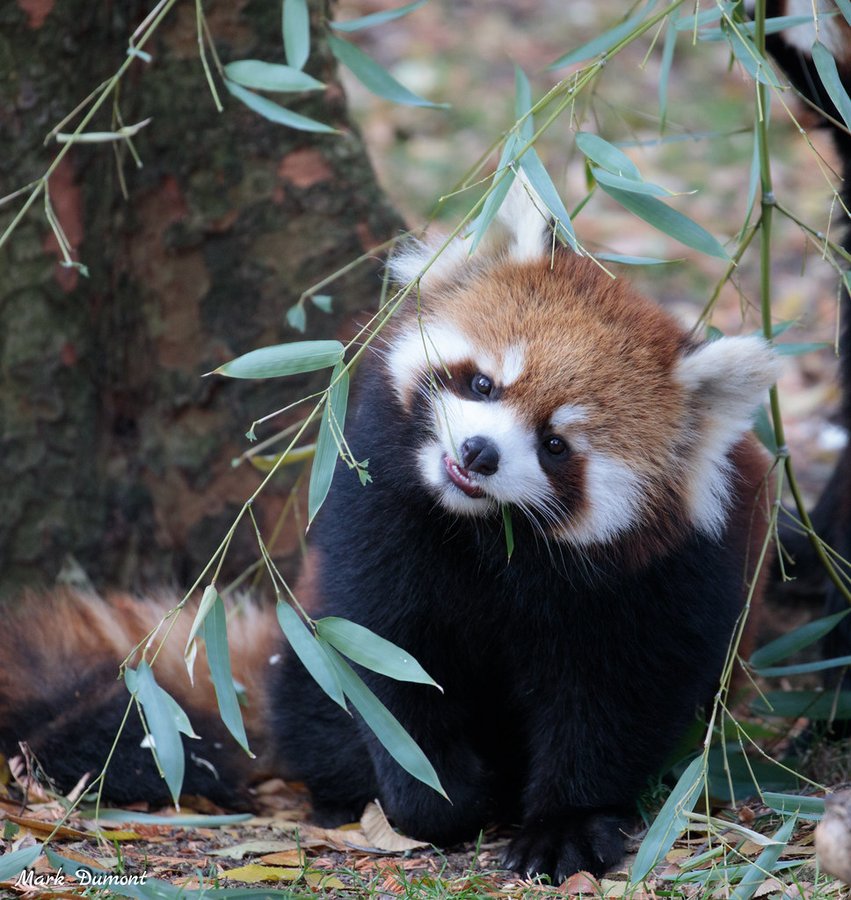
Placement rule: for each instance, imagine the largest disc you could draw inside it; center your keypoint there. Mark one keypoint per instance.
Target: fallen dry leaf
(293, 857)
(254, 873)
(581, 883)
(238, 851)
(380, 834)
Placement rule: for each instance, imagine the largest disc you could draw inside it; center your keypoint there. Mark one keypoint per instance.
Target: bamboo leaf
(764, 429)
(378, 18)
(295, 25)
(540, 180)
(665, 67)
(820, 665)
(327, 444)
(508, 528)
(208, 598)
(829, 75)
(800, 349)
(70, 866)
(810, 808)
(746, 52)
(310, 652)
(283, 359)
(263, 76)
(297, 317)
(796, 640)
(845, 9)
(371, 651)
(503, 177)
(606, 155)
(12, 864)
(671, 821)
(600, 44)
(322, 301)
(384, 725)
(218, 657)
(187, 821)
(274, 112)
(629, 185)
(766, 861)
(162, 726)
(668, 221)
(819, 705)
(523, 104)
(633, 260)
(375, 77)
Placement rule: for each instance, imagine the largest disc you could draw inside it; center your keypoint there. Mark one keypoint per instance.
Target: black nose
(478, 454)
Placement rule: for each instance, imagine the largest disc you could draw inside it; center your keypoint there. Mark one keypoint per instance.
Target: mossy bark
(115, 451)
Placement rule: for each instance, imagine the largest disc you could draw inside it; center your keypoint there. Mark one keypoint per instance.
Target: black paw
(584, 843)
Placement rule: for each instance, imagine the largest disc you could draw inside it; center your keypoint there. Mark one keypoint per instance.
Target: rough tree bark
(114, 450)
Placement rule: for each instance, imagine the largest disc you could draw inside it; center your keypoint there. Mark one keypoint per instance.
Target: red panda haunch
(620, 444)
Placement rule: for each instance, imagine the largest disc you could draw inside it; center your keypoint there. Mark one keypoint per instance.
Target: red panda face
(554, 389)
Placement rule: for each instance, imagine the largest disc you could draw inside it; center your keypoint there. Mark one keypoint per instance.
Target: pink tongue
(461, 478)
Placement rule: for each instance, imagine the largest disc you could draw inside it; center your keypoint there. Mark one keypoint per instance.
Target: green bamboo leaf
(375, 77)
(508, 528)
(191, 649)
(810, 808)
(600, 44)
(606, 155)
(12, 864)
(829, 75)
(523, 104)
(668, 221)
(633, 260)
(310, 652)
(774, 25)
(327, 444)
(218, 658)
(502, 179)
(845, 9)
(540, 180)
(801, 349)
(384, 725)
(764, 429)
(820, 705)
(755, 873)
(751, 60)
(780, 328)
(671, 821)
(295, 25)
(796, 640)
(297, 317)
(188, 821)
(263, 76)
(689, 23)
(283, 359)
(820, 665)
(274, 112)
(69, 866)
(371, 651)
(665, 67)
(162, 726)
(378, 18)
(322, 301)
(629, 185)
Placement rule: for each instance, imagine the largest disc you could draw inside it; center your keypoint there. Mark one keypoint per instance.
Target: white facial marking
(410, 261)
(512, 364)
(519, 478)
(569, 414)
(431, 349)
(613, 495)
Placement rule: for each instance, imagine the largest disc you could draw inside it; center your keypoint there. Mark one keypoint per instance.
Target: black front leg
(577, 840)
(440, 729)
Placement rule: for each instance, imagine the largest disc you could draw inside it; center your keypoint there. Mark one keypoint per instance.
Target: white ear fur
(525, 217)
(409, 262)
(725, 381)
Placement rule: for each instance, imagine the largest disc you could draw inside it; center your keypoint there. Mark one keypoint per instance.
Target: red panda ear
(724, 381)
(526, 220)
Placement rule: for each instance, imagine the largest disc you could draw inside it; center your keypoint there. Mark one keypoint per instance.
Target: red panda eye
(555, 445)
(481, 384)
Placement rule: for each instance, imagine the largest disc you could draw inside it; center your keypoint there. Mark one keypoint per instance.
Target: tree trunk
(115, 452)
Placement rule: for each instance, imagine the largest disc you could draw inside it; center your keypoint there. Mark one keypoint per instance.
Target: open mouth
(460, 477)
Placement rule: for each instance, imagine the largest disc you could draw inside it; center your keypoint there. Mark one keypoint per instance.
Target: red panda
(530, 380)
